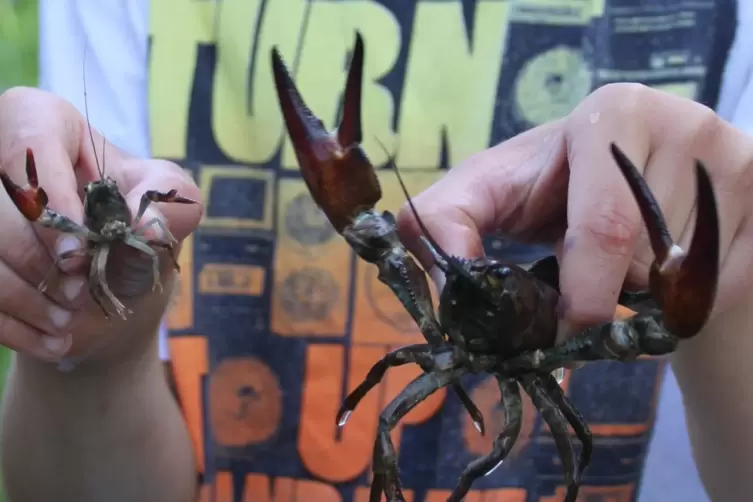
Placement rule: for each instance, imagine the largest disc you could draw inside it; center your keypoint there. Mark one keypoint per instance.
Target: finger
(603, 217)
(516, 186)
(19, 336)
(50, 126)
(161, 175)
(25, 253)
(21, 300)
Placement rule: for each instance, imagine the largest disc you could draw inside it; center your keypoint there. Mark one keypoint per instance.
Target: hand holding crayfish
(564, 185)
(65, 207)
(558, 184)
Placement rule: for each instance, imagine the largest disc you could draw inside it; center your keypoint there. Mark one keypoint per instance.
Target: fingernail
(68, 243)
(438, 277)
(57, 345)
(59, 316)
(71, 287)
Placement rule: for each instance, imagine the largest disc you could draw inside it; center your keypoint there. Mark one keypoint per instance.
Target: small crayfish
(107, 220)
(493, 317)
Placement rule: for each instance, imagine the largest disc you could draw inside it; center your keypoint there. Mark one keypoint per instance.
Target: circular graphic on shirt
(551, 85)
(305, 222)
(245, 402)
(488, 399)
(387, 308)
(308, 294)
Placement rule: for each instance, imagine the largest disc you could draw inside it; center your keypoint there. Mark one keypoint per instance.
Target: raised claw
(31, 199)
(344, 184)
(335, 168)
(682, 283)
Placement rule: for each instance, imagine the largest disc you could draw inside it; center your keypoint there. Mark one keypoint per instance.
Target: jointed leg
(158, 223)
(135, 242)
(385, 459)
(99, 268)
(156, 196)
(576, 421)
(622, 340)
(95, 290)
(63, 256)
(558, 425)
(422, 354)
(166, 246)
(502, 445)
(55, 220)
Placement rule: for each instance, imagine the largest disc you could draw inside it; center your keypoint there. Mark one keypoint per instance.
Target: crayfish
(493, 317)
(107, 220)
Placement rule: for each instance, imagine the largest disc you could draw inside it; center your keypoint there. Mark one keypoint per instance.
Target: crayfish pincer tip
(658, 232)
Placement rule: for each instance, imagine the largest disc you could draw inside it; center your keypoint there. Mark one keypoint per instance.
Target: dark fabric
(285, 310)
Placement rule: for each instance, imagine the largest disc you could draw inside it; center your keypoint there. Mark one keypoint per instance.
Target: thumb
(180, 217)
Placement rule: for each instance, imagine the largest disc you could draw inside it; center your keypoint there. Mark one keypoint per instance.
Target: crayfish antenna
(445, 262)
(683, 284)
(100, 169)
(337, 172)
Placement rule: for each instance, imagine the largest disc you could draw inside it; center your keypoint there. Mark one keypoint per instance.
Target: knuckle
(622, 99)
(17, 94)
(615, 231)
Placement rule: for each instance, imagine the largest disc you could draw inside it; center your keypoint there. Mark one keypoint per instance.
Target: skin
(557, 183)
(117, 399)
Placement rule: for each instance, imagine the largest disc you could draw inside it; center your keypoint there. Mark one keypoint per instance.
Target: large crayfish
(494, 317)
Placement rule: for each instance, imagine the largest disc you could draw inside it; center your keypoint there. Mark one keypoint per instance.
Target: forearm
(715, 372)
(114, 435)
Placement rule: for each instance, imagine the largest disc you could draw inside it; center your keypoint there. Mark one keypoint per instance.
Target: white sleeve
(115, 33)
(736, 94)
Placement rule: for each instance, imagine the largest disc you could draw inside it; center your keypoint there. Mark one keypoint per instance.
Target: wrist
(104, 374)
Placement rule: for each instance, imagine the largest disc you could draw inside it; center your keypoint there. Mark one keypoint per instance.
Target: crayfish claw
(31, 199)
(337, 172)
(682, 283)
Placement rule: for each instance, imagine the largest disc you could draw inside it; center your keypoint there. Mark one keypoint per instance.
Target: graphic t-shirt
(276, 320)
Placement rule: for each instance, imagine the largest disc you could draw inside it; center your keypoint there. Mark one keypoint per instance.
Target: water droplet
(594, 117)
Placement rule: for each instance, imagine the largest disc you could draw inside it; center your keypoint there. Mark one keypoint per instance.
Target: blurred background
(18, 66)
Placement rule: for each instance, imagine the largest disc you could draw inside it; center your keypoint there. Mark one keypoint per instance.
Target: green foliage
(19, 43)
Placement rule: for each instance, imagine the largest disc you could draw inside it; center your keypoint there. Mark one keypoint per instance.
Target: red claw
(684, 284)
(31, 200)
(336, 170)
